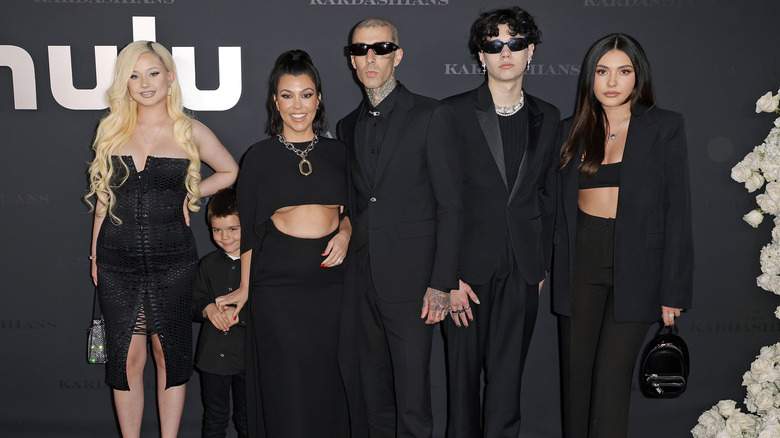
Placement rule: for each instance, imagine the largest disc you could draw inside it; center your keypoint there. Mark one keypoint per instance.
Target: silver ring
(671, 315)
(467, 308)
(341, 260)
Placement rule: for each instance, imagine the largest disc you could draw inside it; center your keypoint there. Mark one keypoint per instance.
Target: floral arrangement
(761, 166)
(762, 381)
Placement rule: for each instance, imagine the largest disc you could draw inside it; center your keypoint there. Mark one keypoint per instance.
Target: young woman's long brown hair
(590, 125)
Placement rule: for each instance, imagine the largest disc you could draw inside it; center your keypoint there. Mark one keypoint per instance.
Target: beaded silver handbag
(96, 336)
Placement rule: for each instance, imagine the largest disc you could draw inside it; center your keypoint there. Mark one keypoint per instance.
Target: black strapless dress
(147, 267)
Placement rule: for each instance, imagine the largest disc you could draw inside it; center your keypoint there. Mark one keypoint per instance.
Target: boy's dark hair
(222, 204)
(519, 21)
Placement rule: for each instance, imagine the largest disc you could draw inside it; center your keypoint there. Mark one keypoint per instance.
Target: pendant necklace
(154, 140)
(506, 111)
(305, 165)
(613, 136)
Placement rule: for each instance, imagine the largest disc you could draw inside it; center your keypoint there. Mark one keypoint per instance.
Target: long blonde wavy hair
(116, 128)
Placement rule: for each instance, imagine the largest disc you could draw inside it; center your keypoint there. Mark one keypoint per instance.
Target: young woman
(623, 256)
(291, 196)
(145, 174)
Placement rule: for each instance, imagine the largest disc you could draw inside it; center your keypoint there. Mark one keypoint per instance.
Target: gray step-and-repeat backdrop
(711, 60)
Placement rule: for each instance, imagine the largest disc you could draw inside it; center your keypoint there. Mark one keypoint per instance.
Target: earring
(483, 70)
(528, 64)
(169, 89)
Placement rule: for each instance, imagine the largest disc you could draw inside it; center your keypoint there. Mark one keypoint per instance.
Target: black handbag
(663, 372)
(96, 335)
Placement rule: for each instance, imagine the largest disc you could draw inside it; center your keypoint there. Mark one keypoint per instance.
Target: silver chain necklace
(506, 111)
(305, 165)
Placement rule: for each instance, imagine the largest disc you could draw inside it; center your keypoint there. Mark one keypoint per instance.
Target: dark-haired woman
(623, 256)
(292, 191)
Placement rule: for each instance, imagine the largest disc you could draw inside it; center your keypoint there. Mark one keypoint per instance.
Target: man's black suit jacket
(653, 255)
(408, 218)
(494, 211)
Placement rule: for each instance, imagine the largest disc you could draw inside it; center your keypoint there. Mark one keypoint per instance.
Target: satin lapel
(488, 121)
(395, 130)
(535, 120)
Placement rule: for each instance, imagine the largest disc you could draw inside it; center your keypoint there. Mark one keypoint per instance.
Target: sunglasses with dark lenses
(496, 46)
(360, 49)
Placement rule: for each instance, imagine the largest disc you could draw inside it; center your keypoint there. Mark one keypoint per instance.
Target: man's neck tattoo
(377, 95)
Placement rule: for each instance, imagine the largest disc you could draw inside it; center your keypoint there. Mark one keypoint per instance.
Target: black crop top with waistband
(607, 175)
(270, 179)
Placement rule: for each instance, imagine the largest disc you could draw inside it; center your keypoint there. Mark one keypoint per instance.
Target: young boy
(220, 353)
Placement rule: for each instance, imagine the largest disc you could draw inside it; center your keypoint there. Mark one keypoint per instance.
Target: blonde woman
(145, 176)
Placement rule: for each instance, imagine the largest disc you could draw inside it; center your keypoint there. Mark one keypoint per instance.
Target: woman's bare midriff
(310, 221)
(601, 202)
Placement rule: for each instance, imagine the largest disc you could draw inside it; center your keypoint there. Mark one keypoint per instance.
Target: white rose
(764, 281)
(754, 182)
(770, 432)
(733, 427)
(723, 433)
(773, 190)
(764, 401)
(754, 388)
(752, 160)
(766, 203)
(774, 285)
(777, 122)
(710, 417)
(699, 431)
(727, 408)
(775, 233)
(771, 172)
(761, 366)
(767, 103)
(741, 172)
(754, 218)
(777, 312)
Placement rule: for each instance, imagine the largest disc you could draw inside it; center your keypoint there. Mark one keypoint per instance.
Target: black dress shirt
(218, 352)
(371, 129)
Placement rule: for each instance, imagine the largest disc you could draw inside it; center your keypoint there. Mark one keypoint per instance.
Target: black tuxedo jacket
(408, 218)
(494, 211)
(653, 255)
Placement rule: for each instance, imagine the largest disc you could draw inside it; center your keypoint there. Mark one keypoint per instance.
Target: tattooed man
(407, 224)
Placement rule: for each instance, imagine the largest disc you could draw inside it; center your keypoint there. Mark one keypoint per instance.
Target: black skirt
(295, 388)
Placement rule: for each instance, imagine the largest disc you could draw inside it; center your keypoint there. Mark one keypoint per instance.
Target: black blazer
(653, 255)
(409, 217)
(494, 212)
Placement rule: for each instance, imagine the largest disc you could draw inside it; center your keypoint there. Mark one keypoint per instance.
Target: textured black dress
(147, 267)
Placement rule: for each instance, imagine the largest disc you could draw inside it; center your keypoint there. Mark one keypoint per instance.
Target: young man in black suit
(406, 229)
(508, 153)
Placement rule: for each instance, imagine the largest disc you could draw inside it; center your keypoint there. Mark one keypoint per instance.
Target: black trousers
(215, 390)
(598, 354)
(496, 342)
(395, 356)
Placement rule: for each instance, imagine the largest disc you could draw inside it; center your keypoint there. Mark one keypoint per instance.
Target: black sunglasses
(361, 49)
(496, 46)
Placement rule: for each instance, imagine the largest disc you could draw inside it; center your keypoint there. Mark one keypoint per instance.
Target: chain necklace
(305, 165)
(154, 140)
(613, 136)
(506, 111)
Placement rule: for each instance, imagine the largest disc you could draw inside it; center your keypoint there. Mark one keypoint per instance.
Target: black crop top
(270, 179)
(607, 175)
